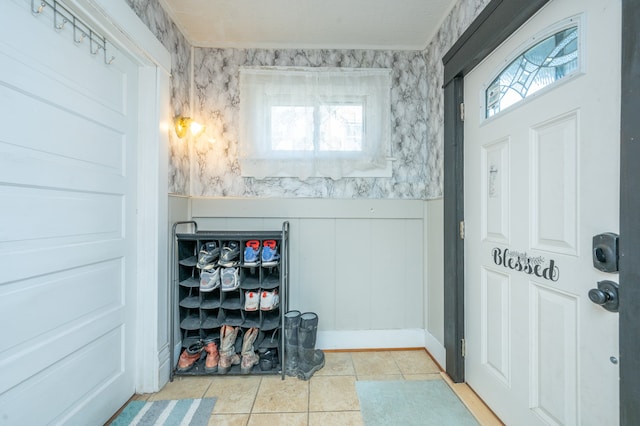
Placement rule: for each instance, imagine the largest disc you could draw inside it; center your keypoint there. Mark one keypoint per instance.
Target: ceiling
(310, 24)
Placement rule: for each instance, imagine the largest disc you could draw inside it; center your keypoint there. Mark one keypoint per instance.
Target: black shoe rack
(201, 314)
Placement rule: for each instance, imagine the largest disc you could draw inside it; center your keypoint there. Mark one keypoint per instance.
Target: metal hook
(39, 9)
(75, 32)
(78, 29)
(93, 42)
(55, 17)
(110, 60)
(60, 26)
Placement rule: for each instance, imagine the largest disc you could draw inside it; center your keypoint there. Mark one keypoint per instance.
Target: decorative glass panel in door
(546, 62)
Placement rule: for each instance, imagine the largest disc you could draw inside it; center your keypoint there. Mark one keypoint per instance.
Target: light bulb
(196, 128)
(182, 124)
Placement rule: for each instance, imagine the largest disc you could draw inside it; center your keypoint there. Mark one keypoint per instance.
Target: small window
(291, 128)
(314, 122)
(340, 127)
(550, 60)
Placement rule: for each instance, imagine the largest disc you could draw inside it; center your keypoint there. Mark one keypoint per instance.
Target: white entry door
(67, 222)
(541, 179)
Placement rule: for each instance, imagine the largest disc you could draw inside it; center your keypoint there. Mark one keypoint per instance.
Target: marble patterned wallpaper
(462, 14)
(161, 25)
(202, 168)
(215, 169)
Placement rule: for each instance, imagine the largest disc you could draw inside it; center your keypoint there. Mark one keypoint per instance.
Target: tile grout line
(355, 375)
(207, 390)
(308, 401)
(255, 397)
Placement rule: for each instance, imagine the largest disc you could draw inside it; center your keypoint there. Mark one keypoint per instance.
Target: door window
(541, 65)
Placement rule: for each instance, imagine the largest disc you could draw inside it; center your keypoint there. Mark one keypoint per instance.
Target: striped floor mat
(192, 412)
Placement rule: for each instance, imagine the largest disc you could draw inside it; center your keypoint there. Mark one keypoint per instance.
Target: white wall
(434, 279)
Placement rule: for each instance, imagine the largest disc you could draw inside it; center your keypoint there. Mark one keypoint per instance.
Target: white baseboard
(164, 371)
(436, 349)
(370, 339)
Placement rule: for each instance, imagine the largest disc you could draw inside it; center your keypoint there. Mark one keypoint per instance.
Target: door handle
(606, 295)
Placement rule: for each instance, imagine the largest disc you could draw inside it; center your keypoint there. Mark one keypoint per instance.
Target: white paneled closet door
(67, 222)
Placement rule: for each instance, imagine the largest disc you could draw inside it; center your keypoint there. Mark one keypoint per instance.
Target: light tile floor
(328, 398)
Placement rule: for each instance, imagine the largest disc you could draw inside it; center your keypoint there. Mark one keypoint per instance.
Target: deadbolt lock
(605, 252)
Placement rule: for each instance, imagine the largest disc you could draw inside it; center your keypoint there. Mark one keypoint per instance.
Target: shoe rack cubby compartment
(202, 310)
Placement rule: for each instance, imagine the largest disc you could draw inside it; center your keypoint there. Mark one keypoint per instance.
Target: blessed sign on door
(521, 262)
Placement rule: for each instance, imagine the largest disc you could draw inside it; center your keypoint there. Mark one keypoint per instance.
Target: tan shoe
(228, 355)
(249, 355)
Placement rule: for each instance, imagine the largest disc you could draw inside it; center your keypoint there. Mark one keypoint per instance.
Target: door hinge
(463, 348)
(461, 229)
(462, 111)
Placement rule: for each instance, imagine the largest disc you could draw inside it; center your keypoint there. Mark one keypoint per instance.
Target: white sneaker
(251, 301)
(230, 279)
(269, 300)
(209, 281)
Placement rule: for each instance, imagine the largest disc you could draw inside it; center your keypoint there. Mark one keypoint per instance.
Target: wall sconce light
(184, 124)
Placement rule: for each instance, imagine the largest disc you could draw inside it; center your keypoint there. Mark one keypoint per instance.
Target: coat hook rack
(81, 31)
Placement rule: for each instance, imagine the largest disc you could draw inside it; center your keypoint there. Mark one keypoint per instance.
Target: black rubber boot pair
(302, 358)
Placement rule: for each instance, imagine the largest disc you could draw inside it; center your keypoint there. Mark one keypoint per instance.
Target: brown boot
(249, 356)
(189, 357)
(228, 355)
(211, 363)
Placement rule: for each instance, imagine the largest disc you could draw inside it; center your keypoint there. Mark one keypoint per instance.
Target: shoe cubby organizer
(209, 291)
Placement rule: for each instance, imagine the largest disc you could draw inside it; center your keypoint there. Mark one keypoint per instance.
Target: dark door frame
(496, 22)
(629, 216)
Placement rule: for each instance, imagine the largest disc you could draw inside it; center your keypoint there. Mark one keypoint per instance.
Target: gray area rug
(429, 402)
(192, 412)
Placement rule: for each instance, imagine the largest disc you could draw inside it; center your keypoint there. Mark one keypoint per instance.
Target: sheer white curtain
(314, 122)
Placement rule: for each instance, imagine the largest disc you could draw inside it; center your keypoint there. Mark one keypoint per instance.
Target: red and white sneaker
(251, 301)
(269, 300)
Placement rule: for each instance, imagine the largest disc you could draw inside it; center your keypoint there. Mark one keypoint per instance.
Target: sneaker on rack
(252, 253)
(230, 254)
(269, 300)
(210, 266)
(209, 281)
(230, 279)
(208, 255)
(270, 256)
(251, 301)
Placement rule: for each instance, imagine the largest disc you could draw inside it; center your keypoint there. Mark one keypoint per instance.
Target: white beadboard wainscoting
(361, 265)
